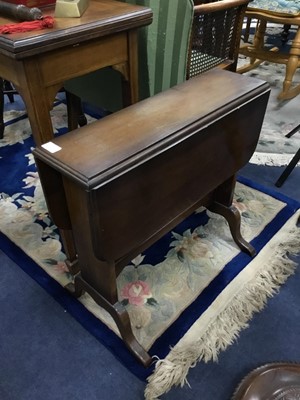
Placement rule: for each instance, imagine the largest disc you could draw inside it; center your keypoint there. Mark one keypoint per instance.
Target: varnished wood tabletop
(101, 18)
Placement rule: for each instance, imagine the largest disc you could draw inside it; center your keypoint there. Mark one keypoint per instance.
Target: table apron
(10, 69)
(66, 63)
(83, 58)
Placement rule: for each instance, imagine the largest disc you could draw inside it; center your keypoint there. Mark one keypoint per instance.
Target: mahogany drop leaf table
(121, 183)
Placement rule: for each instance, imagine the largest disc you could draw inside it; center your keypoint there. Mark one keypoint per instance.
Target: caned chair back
(215, 35)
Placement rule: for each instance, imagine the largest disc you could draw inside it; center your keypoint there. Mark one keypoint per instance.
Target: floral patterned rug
(167, 289)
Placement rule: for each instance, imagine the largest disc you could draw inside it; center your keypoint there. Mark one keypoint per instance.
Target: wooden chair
(284, 14)
(215, 36)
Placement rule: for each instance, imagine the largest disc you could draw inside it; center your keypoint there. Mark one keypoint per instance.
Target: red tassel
(46, 22)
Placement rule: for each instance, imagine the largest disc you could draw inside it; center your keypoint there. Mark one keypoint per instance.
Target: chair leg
(8, 90)
(288, 169)
(258, 45)
(247, 29)
(285, 33)
(75, 113)
(1, 109)
(293, 131)
(291, 66)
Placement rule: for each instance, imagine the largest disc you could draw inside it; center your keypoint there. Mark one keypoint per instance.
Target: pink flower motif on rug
(61, 267)
(136, 293)
(239, 205)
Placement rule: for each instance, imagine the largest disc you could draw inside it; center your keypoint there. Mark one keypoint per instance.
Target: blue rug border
(161, 347)
(66, 300)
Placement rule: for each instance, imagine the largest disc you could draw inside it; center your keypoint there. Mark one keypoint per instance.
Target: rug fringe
(224, 328)
(271, 159)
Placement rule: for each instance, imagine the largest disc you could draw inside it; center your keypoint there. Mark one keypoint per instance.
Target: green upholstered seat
(279, 7)
(163, 50)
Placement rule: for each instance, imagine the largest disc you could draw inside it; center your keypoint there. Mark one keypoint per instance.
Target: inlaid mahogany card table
(121, 183)
(39, 62)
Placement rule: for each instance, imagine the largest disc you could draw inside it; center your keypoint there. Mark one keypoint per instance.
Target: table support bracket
(232, 216)
(118, 312)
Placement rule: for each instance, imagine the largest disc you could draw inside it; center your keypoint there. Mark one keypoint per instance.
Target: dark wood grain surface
(121, 183)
